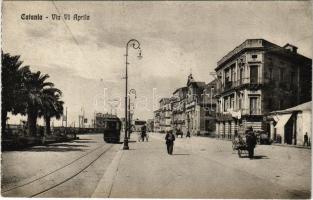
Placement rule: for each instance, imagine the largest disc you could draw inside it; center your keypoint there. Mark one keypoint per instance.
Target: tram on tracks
(111, 126)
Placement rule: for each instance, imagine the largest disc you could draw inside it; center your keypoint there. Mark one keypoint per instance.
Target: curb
(105, 185)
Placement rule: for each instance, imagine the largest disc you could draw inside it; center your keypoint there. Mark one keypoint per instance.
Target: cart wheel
(234, 146)
(239, 153)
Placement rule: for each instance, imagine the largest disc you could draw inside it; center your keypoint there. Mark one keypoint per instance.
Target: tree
(13, 90)
(52, 106)
(36, 86)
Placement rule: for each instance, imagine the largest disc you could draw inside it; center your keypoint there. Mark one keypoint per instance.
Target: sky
(86, 59)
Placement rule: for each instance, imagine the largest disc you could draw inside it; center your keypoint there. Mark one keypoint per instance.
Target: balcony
(251, 83)
(255, 111)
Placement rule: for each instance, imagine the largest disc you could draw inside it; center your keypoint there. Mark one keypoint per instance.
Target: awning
(282, 120)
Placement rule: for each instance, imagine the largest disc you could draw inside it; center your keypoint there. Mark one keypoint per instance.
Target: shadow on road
(78, 141)
(59, 147)
(260, 157)
(180, 154)
(53, 149)
(85, 139)
(67, 145)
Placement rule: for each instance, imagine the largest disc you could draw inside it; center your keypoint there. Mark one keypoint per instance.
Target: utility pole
(66, 117)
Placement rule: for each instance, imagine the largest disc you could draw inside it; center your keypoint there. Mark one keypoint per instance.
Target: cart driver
(251, 141)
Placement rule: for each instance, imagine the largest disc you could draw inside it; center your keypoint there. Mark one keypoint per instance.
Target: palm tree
(13, 78)
(35, 86)
(52, 106)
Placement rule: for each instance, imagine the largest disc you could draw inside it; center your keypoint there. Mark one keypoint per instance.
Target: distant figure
(236, 134)
(251, 142)
(179, 132)
(170, 138)
(306, 139)
(143, 132)
(188, 134)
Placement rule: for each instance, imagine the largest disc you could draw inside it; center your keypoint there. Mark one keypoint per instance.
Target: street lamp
(135, 45)
(131, 91)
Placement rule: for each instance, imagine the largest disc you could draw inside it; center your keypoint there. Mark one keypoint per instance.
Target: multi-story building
(209, 107)
(150, 125)
(194, 109)
(258, 77)
(178, 109)
(165, 115)
(156, 120)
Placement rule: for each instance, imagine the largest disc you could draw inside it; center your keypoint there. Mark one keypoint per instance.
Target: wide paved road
(199, 168)
(70, 169)
(208, 168)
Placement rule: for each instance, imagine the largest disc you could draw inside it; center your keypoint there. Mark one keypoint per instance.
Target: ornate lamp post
(131, 91)
(135, 45)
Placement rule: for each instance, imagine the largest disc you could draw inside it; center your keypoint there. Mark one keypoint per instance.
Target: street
(70, 169)
(199, 168)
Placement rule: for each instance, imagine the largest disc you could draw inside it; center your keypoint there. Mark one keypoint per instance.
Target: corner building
(256, 78)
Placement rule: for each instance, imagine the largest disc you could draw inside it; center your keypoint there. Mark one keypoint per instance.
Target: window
(253, 105)
(254, 56)
(241, 75)
(253, 74)
(232, 102)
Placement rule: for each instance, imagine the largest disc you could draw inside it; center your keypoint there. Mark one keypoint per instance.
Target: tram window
(117, 126)
(105, 124)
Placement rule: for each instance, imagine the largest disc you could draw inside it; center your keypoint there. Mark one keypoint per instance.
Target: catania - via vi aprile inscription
(55, 17)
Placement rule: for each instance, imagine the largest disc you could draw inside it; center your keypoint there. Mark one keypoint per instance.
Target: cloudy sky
(86, 59)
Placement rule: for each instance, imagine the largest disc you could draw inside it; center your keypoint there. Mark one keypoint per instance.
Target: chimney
(291, 48)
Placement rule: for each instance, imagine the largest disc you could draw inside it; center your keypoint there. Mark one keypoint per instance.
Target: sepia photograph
(156, 99)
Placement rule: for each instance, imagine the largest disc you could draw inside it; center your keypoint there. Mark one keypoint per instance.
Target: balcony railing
(241, 82)
(254, 111)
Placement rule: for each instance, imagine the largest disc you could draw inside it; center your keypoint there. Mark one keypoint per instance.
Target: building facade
(200, 107)
(256, 78)
(150, 125)
(291, 125)
(178, 102)
(209, 106)
(156, 120)
(165, 122)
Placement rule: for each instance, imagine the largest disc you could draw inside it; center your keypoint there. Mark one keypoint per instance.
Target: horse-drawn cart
(239, 144)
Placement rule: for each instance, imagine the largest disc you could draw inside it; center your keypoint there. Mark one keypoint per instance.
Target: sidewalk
(201, 168)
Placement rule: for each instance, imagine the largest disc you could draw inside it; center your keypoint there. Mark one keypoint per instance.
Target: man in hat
(251, 141)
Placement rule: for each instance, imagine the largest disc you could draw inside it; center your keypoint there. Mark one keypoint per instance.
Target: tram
(111, 126)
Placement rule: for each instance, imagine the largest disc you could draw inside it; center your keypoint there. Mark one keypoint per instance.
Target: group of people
(143, 134)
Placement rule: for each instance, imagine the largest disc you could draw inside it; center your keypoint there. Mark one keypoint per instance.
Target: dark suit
(251, 142)
(169, 138)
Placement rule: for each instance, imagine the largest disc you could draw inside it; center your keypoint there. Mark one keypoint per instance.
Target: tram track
(58, 176)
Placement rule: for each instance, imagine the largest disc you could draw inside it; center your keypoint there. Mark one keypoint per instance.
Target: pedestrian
(306, 139)
(170, 138)
(188, 134)
(179, 132)
(251, 142)
(143, 132)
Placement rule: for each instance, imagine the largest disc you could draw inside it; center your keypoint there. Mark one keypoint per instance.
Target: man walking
(188, 134)
(170, 138)
(143, 132)
(306, 139)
